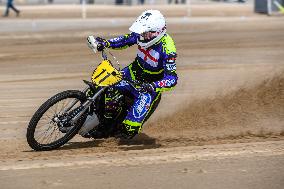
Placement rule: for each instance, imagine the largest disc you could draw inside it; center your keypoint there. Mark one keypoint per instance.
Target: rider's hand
(148, 87)
(101, 43)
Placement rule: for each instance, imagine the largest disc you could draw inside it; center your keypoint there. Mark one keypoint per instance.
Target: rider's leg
(144, 104)
(140, 111)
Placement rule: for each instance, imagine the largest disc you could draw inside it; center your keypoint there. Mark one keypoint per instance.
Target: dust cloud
(255, 111)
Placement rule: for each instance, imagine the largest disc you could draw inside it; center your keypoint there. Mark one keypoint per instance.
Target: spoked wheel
(51, 126)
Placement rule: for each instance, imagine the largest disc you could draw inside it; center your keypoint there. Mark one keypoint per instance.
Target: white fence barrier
(111, 2)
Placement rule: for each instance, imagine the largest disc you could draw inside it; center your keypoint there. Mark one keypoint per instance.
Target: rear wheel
(50, 126)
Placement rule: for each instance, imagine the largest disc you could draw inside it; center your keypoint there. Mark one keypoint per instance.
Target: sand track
(229, 89)
(211, 73)
(222, 124)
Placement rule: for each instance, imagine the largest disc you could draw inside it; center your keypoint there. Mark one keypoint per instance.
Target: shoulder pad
(168, 45)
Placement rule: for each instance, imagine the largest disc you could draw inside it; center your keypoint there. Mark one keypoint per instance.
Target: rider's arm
(122, 42)
(170, 77)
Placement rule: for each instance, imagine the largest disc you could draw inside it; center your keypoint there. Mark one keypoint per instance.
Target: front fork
(86, 104)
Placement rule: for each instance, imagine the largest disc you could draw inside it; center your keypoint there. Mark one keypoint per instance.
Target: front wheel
(51, 126)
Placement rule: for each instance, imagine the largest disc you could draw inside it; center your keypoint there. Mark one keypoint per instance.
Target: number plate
(105, 74)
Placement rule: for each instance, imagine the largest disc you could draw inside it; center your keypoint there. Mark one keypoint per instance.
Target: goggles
(149, 35)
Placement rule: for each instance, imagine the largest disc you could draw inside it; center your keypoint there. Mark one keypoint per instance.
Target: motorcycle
(73, 112)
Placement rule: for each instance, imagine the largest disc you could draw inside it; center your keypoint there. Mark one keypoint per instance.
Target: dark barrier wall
(260, 6)
(119, 2)
(263, 6)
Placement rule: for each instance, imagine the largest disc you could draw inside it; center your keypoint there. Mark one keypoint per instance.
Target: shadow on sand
(139, 142)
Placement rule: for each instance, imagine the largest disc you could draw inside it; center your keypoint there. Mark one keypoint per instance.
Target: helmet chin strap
(152, 42)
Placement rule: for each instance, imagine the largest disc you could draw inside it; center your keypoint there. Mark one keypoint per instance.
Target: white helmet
(152, 24)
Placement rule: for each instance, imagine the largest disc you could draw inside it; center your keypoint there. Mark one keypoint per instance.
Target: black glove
(102, 43)
(148, 87)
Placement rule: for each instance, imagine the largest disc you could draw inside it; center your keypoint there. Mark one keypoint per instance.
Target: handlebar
(93, 44)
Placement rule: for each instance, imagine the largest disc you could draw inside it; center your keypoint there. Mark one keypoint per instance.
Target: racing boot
(124, 133)
(99, 132)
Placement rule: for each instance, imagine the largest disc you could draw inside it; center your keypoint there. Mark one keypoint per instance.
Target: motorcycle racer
(154, 65)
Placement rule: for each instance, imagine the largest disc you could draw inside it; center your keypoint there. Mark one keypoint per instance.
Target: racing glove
(102, 43)
(148, 87)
